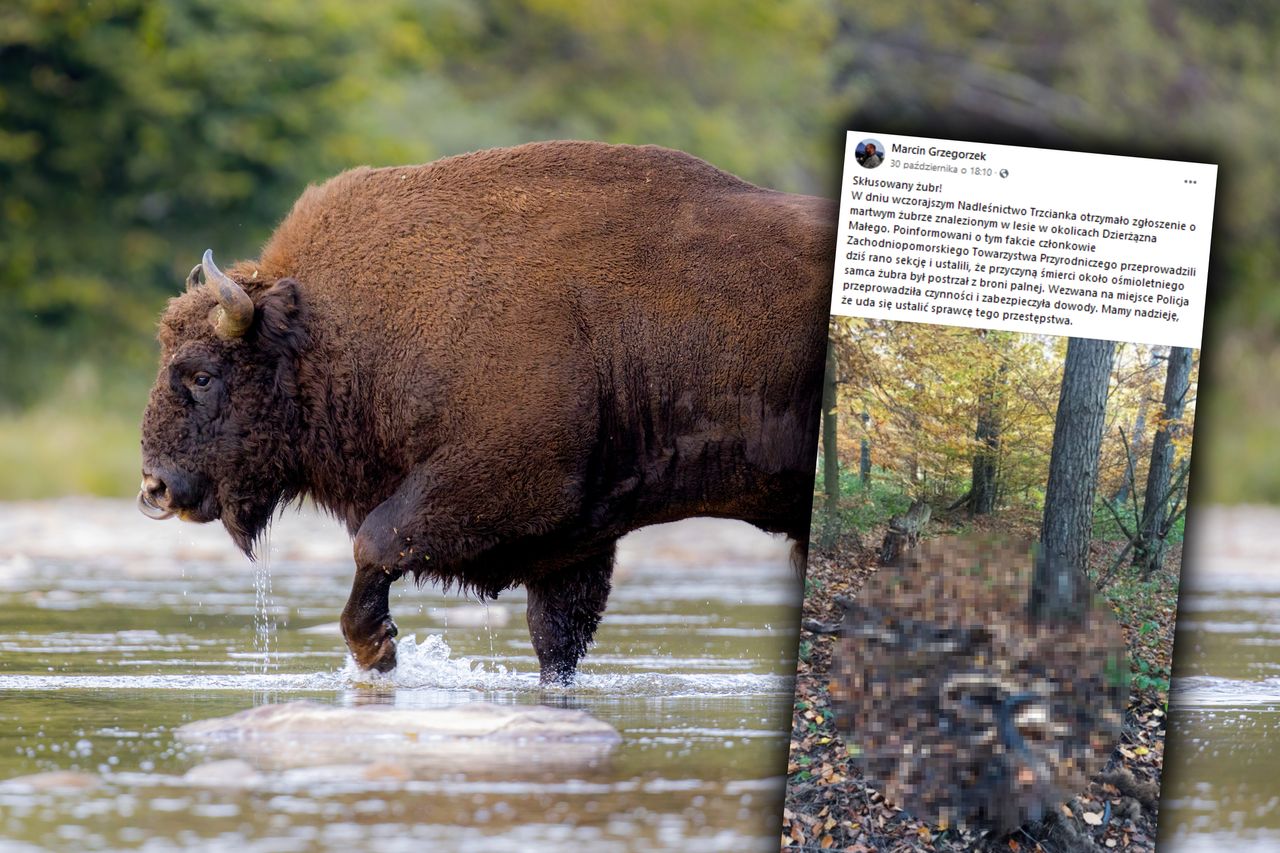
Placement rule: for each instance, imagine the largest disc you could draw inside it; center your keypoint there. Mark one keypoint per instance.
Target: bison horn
(193, 278)
(235, 308)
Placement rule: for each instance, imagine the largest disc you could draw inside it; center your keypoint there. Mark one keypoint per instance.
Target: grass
(44, 454)
(863, 507)
(1148, 607)
(82, 440)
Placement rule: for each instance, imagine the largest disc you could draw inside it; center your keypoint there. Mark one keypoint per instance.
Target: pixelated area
(960, 710)
(831, 804)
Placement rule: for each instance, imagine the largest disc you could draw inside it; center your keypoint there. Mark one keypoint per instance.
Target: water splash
(264, 625)
(431, 665)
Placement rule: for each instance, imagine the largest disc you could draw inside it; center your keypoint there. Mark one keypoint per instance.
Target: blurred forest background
(135, 134)
(963, 419)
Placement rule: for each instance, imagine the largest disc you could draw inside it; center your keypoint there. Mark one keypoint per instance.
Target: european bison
(493, 366)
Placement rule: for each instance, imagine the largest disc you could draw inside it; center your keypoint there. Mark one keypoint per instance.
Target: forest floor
(828, 805)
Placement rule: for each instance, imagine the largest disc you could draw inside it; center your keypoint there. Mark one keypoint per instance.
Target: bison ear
(279, 304)
(280, 308)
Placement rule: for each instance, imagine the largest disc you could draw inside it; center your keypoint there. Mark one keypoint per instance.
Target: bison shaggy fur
(493, 366)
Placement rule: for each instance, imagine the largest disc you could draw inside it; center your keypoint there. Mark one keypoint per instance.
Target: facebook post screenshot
(1000, 497)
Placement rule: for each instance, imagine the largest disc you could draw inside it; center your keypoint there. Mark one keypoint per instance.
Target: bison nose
(155, 488)
(153, 498)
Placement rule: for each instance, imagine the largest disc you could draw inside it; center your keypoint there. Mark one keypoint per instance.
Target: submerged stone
(231, 773)
(471, 736)
(54, 780)
(470, 720)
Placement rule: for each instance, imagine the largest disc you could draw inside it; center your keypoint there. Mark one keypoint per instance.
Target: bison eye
(201, 380)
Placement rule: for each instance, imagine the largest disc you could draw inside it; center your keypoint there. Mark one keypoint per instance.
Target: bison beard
(493, 366)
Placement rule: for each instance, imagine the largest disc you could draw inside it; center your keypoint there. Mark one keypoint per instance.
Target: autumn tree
(864, 451)
(1161, 482)
(1138, 432)
(986, 457)
(917, 394)
(1060, 590)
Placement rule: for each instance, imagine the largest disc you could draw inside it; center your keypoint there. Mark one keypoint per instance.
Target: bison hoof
(557, 676)
(377, 651)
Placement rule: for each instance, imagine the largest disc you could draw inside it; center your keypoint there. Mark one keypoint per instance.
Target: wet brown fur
(494, 365)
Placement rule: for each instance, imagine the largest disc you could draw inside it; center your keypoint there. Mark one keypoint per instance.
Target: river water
(115, 630)
(1222, 762)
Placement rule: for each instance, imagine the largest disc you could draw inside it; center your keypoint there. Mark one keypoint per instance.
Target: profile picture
(869, 153)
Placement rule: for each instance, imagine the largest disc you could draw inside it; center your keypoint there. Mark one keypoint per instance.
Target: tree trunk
(904, 531)
(1138, 434)
(984, 482)
(864, 459)
(1148, 552)
(1060, 589)
(830, 455)
(987, 435)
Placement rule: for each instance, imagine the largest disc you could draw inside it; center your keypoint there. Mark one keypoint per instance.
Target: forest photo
(1018, 501)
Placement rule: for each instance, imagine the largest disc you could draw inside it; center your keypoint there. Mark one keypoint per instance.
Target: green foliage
(135, 134)
(1105, 526)
(1117, 672)
(1151, 676)
(748, 88)
(1150, 606)
(863, 507)
(1137, 601)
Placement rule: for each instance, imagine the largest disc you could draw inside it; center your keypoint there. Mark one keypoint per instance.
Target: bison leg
(366, 620)
(389, 543)
(564, 609)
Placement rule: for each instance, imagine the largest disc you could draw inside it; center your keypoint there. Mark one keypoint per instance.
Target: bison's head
(220, 431)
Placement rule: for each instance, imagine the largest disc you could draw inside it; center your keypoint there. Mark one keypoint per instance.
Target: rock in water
(509, 723)
(54, 780)
(471, 736)
(962, 711)
(231, 773)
